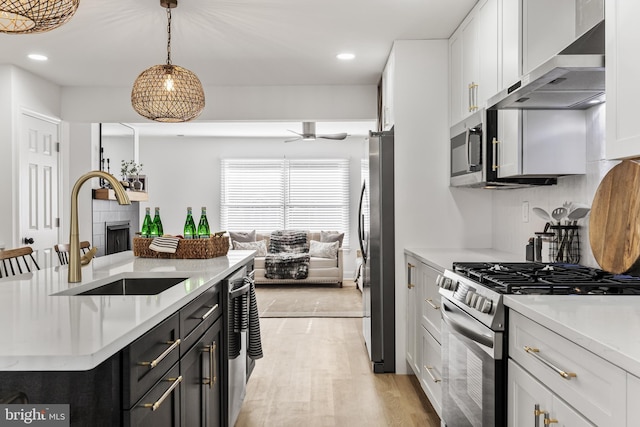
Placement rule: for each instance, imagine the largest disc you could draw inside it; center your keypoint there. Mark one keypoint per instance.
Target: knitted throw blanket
(288, 256)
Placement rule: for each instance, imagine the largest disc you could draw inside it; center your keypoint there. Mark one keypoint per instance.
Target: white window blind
(268, 195)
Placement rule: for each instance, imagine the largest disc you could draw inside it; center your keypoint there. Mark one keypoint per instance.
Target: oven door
(473, 371)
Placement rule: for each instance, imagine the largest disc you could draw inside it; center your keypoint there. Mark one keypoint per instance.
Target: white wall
(185, 172)
(511, 234)
(428, 214)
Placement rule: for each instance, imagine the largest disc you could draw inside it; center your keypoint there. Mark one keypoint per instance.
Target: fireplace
(117, 237)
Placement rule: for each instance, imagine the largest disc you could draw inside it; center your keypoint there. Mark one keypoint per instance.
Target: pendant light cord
(168, 36)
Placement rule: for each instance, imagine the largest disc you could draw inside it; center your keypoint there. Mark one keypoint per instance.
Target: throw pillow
(323, 249)
(331, 236)
(260, 246)
(243, 236)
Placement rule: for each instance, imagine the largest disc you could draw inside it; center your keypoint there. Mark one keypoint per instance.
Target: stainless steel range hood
(572, 79)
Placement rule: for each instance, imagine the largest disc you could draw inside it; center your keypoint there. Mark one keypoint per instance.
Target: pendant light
(167, 92)
(35, 16)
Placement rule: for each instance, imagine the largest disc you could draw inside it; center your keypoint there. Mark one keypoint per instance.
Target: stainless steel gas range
(475, 328)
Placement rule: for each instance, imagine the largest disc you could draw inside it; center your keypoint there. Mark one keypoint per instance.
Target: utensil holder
(565, 246)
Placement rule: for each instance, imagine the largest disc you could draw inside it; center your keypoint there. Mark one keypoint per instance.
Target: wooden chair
(10, 261)
(62, 249)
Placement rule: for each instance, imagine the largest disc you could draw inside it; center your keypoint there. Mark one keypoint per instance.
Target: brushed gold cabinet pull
(534, 352)
(430, 302)
(154, 362)
(537, 412)
(548, 420)
(208, 313)
(156, 404)
(410, 268)
(428, 369)
(494, 150)
(213, 366)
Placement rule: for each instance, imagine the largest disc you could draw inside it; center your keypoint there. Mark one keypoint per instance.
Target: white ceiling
(232, 42)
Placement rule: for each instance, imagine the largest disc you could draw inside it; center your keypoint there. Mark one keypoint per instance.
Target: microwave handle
(466, 144)
(494, 160)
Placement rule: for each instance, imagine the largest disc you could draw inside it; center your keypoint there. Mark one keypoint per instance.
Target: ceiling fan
(309, 133)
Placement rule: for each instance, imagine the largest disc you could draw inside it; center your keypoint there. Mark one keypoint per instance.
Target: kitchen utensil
(558, 214)
(542, 214)
(578, 213)
(613, 223)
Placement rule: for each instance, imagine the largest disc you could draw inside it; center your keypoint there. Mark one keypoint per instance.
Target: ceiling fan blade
(334, 136)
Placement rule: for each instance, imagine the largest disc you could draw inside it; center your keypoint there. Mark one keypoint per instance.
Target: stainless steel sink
(135, 286)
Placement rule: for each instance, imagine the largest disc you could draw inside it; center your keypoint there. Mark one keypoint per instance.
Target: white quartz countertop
(442, 259)
(606, 325)
(44, 331)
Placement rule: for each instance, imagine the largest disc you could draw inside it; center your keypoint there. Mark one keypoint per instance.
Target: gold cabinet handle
(156, 404)
(430, 302)
(494, 150)
(213, 365)
(208, 313)
(410, 268)
(154, 362)
(537, 412)
(548, 420)
(428, 369)
(535, 352)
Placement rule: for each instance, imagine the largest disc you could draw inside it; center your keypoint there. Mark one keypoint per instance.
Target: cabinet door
(623, 69)
(388, 76)
(430, 302)
(200, 368)
(548, 27)
(413, 304)
(487, 44)
(160, 407)
(633, 397)
(431, 378)
(470, 65)
(509, 54)
(457, 111)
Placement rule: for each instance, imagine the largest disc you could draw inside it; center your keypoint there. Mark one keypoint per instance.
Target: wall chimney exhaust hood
(572, 79)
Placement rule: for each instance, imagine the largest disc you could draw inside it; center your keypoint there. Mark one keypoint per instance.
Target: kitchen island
(81, 349)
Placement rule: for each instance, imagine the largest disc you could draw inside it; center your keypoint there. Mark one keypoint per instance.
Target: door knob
(28, 240)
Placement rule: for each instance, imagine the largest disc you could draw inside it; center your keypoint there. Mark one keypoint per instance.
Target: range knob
(440, 281)
(486, 306)
(479, 302)
(470, 298)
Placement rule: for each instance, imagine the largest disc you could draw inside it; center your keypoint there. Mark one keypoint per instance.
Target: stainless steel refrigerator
(376, 237)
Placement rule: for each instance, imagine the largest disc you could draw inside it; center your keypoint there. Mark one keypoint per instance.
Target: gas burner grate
(527, 278)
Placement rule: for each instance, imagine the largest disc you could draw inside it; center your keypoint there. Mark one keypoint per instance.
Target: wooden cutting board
(614, 224)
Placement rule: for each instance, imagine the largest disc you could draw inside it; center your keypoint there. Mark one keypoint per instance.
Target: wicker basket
(212, 247)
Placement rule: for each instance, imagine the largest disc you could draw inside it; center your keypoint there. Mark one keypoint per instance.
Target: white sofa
(321, 270)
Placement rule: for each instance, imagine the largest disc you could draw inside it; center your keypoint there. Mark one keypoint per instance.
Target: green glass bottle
(203, 225)
(146, 224)
(156, 225)
(190, 231)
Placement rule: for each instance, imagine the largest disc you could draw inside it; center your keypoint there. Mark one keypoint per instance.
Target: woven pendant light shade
(168, 93)
(35, 16)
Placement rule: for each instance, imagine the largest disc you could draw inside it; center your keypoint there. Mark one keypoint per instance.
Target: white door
(39, 186)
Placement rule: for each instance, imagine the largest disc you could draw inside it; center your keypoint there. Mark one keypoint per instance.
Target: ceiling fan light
(168, 93)
(35, 16)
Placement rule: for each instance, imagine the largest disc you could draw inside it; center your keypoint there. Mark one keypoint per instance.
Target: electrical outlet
(525, 211)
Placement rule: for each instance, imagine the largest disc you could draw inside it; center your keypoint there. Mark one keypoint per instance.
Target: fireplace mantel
(108, 194)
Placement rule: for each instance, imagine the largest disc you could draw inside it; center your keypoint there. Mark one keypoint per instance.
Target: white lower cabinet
(532, 404)
(431, 375)
(633, 399)
(423, 328)
(582, 388)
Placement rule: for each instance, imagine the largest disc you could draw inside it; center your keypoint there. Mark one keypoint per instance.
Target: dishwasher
(237, 288)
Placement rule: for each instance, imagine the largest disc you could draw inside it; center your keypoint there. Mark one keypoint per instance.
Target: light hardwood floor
(315, 372)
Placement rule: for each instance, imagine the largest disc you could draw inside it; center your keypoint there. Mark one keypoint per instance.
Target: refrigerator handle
(361, 224)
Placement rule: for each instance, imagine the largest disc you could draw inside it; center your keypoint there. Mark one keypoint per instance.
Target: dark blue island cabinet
(170, 376)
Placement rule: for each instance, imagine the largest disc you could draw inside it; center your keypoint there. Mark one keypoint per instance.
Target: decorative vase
(137, 185)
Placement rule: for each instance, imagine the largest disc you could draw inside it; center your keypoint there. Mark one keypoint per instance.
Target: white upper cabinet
(473, 61)
(622, 84)
(509, 39)
(388, 118)
(548, 26)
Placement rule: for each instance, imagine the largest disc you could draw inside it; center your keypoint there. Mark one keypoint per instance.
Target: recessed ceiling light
(345, 56)
(37, 57)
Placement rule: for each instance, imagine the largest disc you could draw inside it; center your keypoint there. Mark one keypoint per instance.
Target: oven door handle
(464, 330)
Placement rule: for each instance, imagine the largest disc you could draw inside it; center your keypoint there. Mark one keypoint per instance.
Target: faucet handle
(86, 258)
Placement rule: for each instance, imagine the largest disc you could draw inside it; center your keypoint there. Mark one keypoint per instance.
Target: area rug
(309, 300)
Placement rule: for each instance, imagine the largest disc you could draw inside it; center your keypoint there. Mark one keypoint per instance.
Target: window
(268, 195)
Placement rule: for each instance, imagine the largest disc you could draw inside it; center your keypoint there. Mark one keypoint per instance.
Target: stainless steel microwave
(468, 148)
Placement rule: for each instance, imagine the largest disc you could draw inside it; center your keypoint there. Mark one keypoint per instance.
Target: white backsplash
(511, 234)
